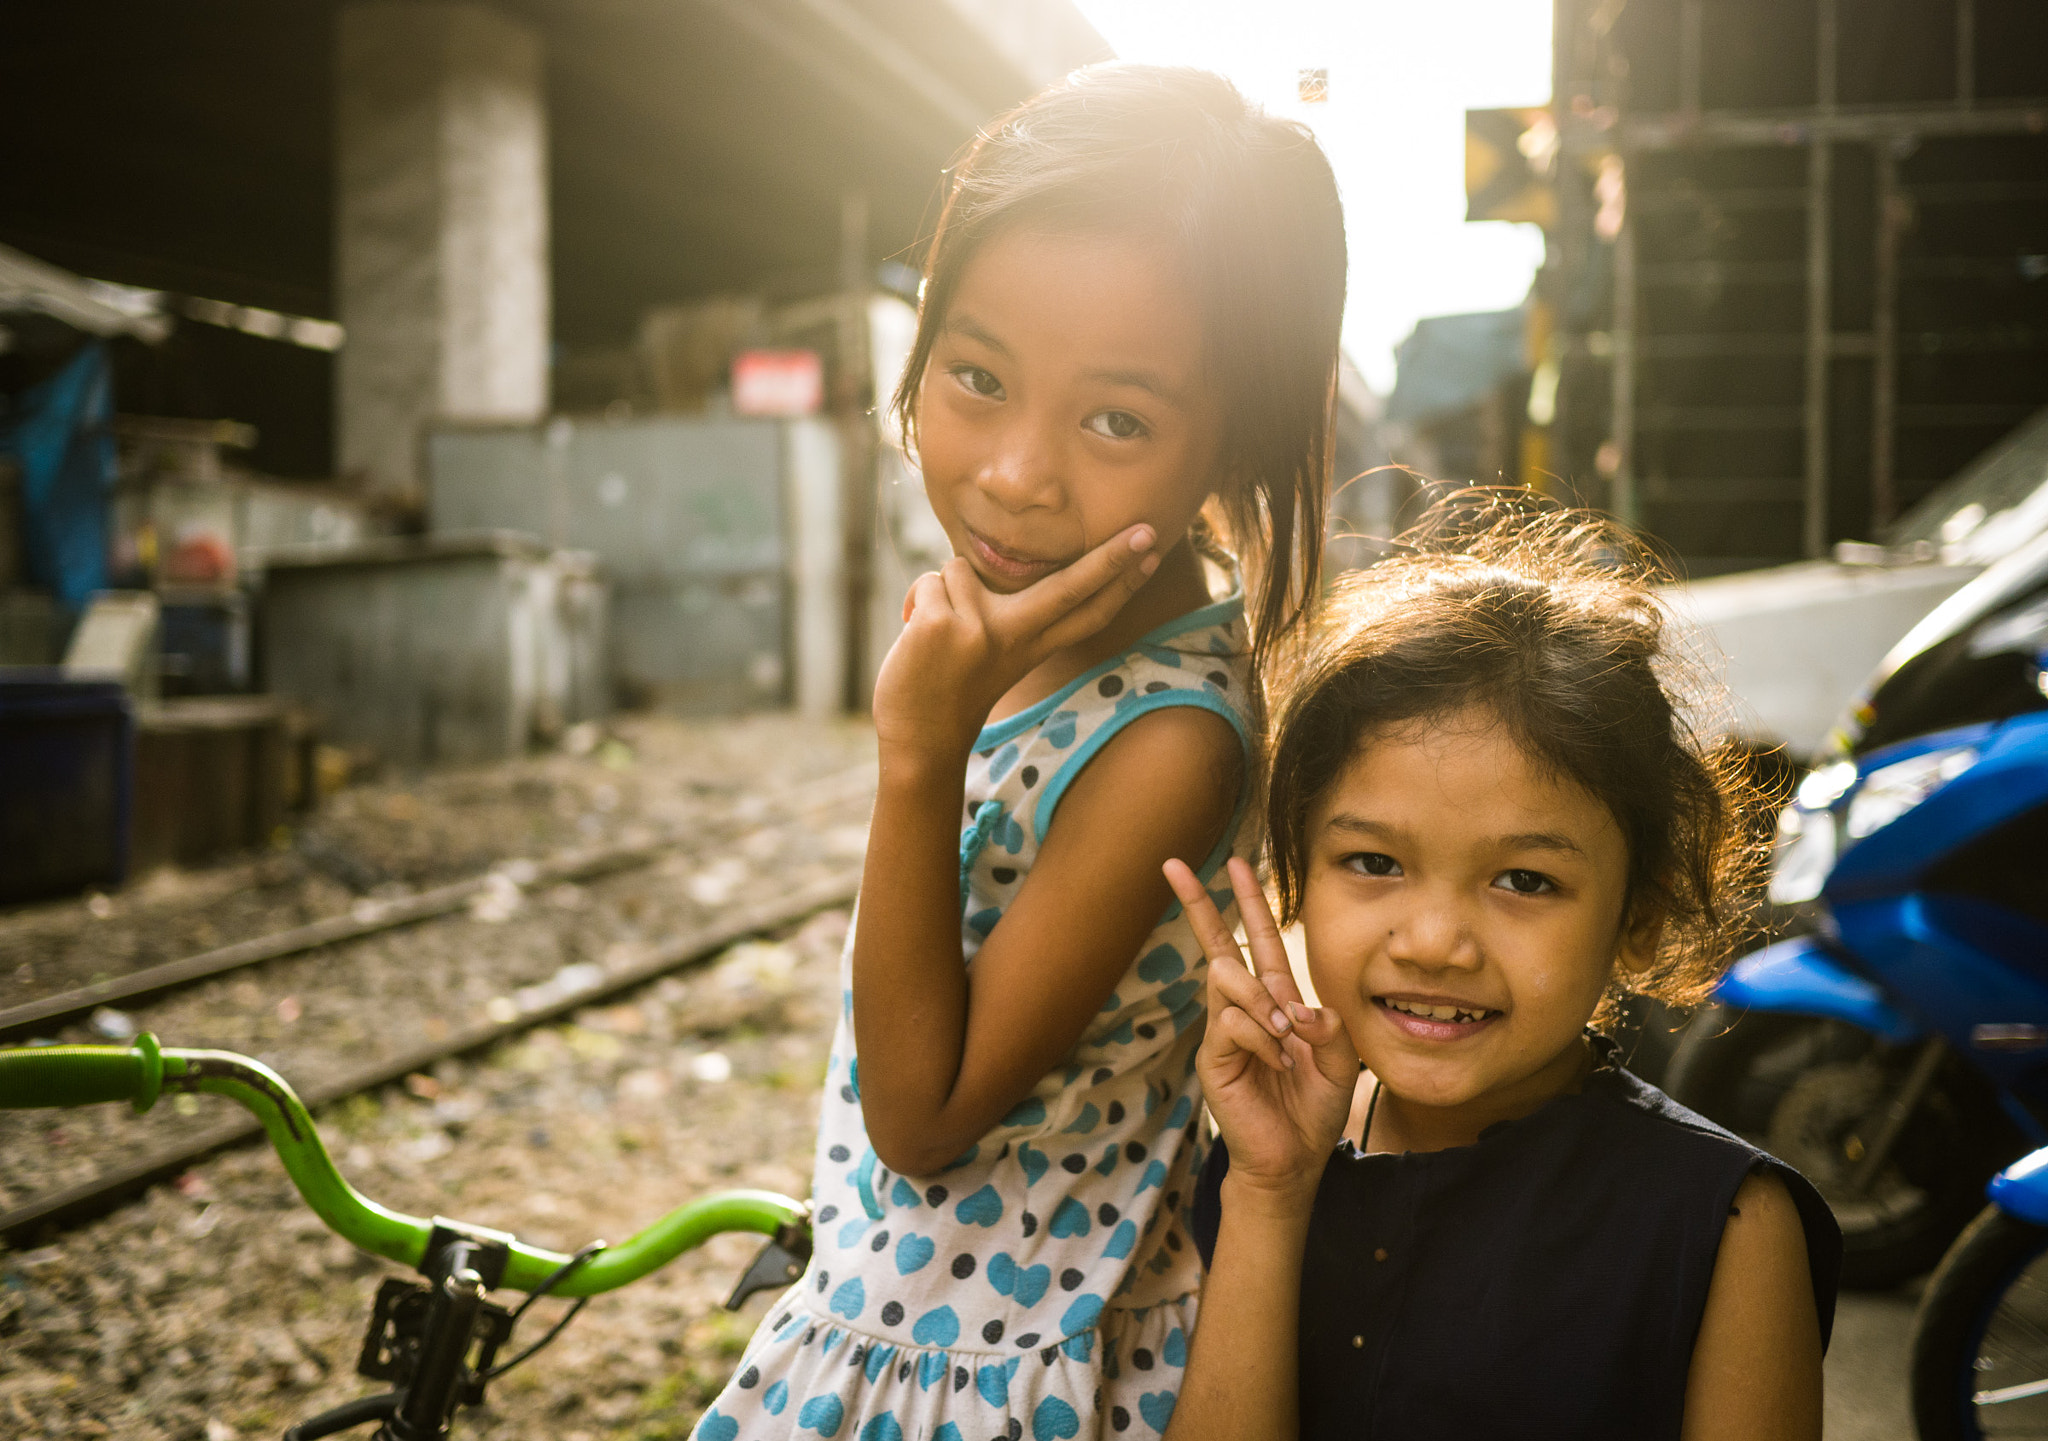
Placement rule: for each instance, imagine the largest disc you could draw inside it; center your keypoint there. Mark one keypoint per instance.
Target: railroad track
(383, 1010)
(369, 916)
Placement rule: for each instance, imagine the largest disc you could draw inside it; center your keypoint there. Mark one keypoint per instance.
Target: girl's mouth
(1006, 564)
(1436, 1020)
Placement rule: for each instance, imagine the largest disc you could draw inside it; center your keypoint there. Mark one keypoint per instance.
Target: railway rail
(365, 997)
(369, 916)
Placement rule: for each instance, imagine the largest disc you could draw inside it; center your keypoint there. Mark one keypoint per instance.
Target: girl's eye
(1525, 883)
(979, 381)
(1373, 863)
(1116, 425)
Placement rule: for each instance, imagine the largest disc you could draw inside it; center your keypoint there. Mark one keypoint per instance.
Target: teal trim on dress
(1049, 798)
(1220, 612)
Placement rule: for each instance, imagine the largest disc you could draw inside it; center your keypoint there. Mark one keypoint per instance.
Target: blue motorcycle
(1897, 1053)
(1980, 1339)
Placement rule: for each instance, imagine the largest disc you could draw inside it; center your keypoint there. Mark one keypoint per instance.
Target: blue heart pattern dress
(1042, 1285)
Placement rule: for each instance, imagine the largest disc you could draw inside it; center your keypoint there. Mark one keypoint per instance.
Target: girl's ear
(1642, 936)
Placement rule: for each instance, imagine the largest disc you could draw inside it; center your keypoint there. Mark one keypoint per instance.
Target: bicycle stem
(39, 1076)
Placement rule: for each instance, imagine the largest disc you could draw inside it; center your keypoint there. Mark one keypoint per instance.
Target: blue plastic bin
(67, 784)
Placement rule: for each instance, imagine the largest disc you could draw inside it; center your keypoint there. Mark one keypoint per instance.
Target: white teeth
(1436, 1013)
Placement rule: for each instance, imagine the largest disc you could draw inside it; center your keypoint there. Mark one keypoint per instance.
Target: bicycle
(437, 1341)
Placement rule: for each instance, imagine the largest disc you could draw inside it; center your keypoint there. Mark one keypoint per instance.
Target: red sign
(777, 382)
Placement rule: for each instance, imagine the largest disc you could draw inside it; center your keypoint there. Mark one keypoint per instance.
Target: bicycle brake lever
(348, 1414)
(776, 1265)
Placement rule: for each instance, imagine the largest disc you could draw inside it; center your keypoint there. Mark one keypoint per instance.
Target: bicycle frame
(420, 1337)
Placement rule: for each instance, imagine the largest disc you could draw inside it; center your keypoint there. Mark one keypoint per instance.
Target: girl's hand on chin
(963, 646)
(1278, 1075)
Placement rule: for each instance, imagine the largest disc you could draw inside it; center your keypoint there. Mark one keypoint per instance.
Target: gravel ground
(320, 1015)
(218, 1307)
(645, 777)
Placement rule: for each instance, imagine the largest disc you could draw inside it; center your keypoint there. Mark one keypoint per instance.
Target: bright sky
(1402, 73)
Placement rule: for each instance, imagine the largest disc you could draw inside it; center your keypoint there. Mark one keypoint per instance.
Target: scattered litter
(191, 1186)
(847, 840)
(423, 1085)
(589, 1045)
(712, 1067)
(714, 885)
(622, 1020)
(114, 1025)
(219, 1430)
(568, 896)
(430, 1147)
(498, 901)
(756, 966)
(646, 1084)
(567, 982)
(99, 907)
(289, 1010)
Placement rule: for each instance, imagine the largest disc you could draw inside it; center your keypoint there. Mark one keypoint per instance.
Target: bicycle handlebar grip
(81, 1075)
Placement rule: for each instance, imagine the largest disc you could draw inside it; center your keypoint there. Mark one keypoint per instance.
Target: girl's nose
(1433, 937)
(1022, 472)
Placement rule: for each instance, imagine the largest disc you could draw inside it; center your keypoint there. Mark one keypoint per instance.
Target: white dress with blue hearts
(1043, 1285)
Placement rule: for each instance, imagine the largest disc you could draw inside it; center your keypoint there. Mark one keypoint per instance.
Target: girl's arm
(945, 1052)
(1278, 1077)
(1756, 1367)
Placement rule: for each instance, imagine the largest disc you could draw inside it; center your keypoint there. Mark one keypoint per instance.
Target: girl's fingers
(1216, 941)
(963, 588)
(1232, 1029)
(1079, 599)
(1231, 982)
(927, 593)
(1330, 1048)
(1269, 952)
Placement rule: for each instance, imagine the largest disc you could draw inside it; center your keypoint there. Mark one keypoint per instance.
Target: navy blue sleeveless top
(1546, 1282)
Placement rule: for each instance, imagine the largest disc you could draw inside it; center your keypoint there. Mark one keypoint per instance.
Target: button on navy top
(1546, 1282)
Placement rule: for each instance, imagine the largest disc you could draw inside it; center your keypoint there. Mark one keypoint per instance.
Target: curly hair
(1548, 619)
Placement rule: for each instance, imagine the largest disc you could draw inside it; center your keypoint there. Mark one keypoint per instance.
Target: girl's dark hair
(1547, 619)
(1249, 207)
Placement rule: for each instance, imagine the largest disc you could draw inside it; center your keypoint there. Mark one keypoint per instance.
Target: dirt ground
(219, 1307)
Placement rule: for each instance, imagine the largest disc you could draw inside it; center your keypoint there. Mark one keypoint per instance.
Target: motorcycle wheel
(1980, 1339)
(1809, 1090)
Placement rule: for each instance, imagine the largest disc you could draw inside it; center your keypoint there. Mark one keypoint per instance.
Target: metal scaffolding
(1787, 315)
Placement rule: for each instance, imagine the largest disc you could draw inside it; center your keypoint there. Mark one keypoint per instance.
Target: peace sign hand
(964, 645)
(1278, 1074)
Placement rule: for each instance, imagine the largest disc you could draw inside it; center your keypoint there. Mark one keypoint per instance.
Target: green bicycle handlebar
(84, 1075)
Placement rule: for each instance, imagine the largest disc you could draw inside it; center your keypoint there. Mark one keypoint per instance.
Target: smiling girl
(1121, 385)
(1491, 820)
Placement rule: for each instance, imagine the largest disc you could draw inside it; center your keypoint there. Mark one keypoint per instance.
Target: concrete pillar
(441, 230)
(811, 496)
